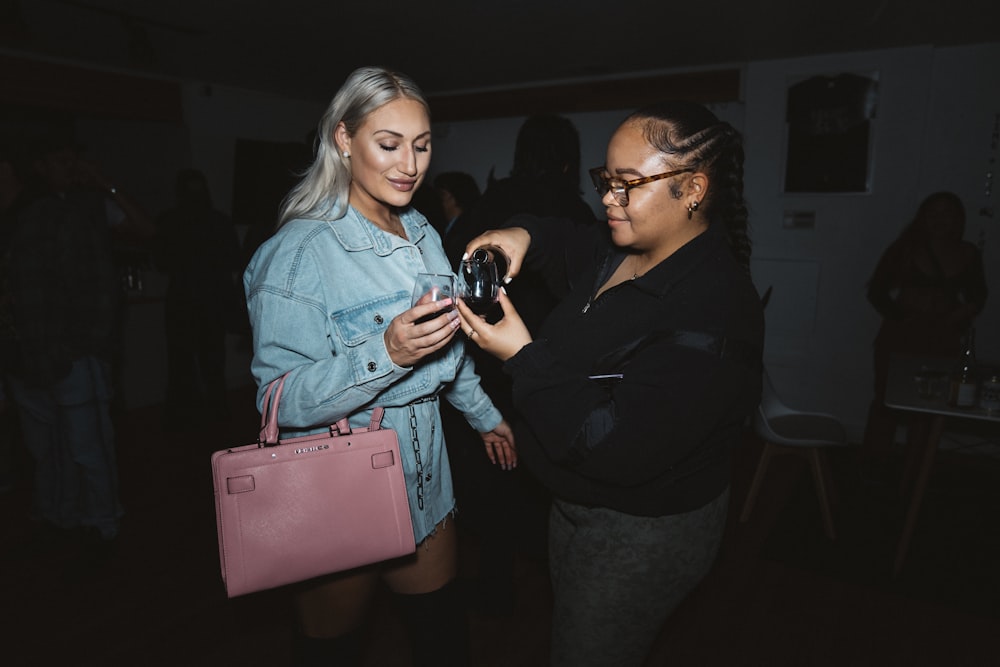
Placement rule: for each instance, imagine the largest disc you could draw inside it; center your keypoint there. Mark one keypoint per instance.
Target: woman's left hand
(407, 340)
(505, 338)
(500, 446)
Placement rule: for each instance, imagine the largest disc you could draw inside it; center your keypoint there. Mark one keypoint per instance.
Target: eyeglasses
(619, 188)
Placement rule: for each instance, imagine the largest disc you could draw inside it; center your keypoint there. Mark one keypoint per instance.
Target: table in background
(901, 394)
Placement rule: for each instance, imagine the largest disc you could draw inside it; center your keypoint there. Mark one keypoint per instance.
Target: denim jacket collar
(356, 233)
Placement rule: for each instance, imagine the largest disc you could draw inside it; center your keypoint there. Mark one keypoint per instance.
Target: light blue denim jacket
(320, 294)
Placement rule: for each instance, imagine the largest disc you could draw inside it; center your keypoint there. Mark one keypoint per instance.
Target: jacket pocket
(358, 331)
(358, 323)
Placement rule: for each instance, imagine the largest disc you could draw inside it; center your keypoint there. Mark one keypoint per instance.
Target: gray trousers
(616, 577)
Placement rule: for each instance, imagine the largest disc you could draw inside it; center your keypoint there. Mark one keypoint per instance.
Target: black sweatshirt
(686, 339)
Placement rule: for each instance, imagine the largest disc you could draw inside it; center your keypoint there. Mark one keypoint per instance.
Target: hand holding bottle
(508, 246)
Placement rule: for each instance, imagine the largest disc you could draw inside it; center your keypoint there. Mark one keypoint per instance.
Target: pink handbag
(289, 510)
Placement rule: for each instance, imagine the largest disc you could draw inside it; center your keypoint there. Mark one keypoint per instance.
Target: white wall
(821, 356)
(217, 116)
(936, 111)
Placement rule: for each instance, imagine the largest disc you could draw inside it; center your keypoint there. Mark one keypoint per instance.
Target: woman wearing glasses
(637, 387)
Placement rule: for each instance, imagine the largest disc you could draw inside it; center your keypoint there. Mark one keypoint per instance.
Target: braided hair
(695, 138)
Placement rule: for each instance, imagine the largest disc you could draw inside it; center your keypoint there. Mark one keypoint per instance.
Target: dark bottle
(480, 278)
(493, 254)
(964, 383)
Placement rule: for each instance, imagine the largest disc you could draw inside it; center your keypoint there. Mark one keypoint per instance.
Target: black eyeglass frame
(620, 192)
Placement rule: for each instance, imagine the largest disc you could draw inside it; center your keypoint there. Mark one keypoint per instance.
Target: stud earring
(346, 154)
(692, 207)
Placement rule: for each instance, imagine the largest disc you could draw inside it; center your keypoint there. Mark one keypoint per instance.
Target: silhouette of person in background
(65, 295)
(510, 510)
(199, 250)
(458, 192)
(928, 287)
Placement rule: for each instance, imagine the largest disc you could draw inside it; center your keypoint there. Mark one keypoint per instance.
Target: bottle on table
(964, 384)
(989, 393)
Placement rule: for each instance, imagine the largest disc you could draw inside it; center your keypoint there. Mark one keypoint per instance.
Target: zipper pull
(586, 307)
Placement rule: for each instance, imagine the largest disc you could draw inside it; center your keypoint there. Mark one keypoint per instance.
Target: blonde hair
(323, 190)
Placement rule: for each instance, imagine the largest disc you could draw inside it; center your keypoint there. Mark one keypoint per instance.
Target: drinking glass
(432, 287)
(929, 383)
(478, 285)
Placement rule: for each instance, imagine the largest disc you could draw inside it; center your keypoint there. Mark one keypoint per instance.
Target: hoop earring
(692, 207)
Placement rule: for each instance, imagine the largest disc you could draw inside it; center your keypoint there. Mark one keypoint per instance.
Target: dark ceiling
(305, 48)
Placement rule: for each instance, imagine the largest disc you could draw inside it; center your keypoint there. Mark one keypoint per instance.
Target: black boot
(438, 627)
(326, 652)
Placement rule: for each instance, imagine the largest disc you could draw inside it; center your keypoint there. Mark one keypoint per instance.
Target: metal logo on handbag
(266, 495)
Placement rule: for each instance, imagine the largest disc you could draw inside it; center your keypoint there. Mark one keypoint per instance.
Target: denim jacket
(320, 294)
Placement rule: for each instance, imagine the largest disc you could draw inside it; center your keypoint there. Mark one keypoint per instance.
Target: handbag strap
(269, 416)
(269, 413)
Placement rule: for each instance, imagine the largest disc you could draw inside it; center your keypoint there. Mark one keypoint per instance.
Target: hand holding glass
(478, 285)
(432, 287)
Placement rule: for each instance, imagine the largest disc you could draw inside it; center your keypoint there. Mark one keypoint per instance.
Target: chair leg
(758, 478)
(831, 488)
(821, 477)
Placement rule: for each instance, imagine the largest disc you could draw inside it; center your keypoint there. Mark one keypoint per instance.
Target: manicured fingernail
(454, 324)
(506, 280)
(465, 256)
(503, 289)
(452, 314)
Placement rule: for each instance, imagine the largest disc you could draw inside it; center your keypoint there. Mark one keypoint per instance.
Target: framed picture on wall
(829, 122)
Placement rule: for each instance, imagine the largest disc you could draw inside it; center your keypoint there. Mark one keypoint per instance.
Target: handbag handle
(269, 416)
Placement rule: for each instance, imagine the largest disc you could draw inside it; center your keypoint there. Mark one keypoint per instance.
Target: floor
(158, 599)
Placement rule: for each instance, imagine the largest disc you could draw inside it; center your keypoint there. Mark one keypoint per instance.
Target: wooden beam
(708, 87)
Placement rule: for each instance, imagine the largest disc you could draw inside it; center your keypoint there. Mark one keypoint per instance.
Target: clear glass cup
(433, 287)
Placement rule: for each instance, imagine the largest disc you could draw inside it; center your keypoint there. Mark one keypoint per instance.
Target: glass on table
(930, 383)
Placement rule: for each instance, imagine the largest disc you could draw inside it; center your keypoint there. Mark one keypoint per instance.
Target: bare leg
(428, 599)
(335, 605)
(434, 565)
(329, 614)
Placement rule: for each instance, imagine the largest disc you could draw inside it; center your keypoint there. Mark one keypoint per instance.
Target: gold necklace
(636, 274)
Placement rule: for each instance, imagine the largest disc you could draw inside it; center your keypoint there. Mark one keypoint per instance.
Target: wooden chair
(785, 430)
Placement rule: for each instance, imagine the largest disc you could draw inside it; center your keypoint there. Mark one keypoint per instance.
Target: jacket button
(372, 366)
(378, 319)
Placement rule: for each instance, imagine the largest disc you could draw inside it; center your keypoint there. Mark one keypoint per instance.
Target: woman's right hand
(514, 241)
(408, 341)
